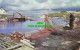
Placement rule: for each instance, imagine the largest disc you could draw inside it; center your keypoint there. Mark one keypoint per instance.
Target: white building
(10, 15)
(3, 11)
(43, 16)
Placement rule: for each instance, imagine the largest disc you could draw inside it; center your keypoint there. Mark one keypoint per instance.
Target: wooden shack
(16, 17)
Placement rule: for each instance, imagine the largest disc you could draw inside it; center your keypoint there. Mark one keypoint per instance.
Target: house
(2, 12)
(16, 17)
(77, 10)
(43, 16)
(19, 16)
(11, 16)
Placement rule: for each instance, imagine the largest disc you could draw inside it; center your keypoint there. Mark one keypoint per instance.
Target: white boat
(42, 16)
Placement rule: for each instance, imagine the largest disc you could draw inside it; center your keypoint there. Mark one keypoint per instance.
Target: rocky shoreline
(4, 35)
(64, 40)
(61, 40)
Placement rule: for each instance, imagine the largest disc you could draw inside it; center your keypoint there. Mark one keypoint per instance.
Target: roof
(18, 15)
(77, 10)
(3, 11)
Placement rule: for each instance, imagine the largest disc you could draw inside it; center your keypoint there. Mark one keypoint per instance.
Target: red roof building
(77, 10)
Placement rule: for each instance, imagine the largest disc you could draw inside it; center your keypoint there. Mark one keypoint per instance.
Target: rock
(55, 33)
(66, 42)
(45, 44)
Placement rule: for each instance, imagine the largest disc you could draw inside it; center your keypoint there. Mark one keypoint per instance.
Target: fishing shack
(16, 17)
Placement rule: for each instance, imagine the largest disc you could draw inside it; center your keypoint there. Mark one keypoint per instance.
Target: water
(9, 27)
(61, 22)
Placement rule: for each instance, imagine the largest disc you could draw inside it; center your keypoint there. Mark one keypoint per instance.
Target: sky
(39, 7)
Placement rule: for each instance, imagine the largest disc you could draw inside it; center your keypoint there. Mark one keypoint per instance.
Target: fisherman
(72, 19)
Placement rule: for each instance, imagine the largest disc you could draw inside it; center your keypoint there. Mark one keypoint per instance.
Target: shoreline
(64, 39)
(4, 35)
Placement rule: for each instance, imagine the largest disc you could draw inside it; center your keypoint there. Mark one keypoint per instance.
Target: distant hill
(64, 14)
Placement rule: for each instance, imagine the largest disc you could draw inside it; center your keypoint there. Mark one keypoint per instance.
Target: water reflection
(3, 24)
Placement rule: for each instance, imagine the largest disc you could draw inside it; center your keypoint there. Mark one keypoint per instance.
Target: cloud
(39, 4)
(65, 4)
(41, 1)
(28, 5)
